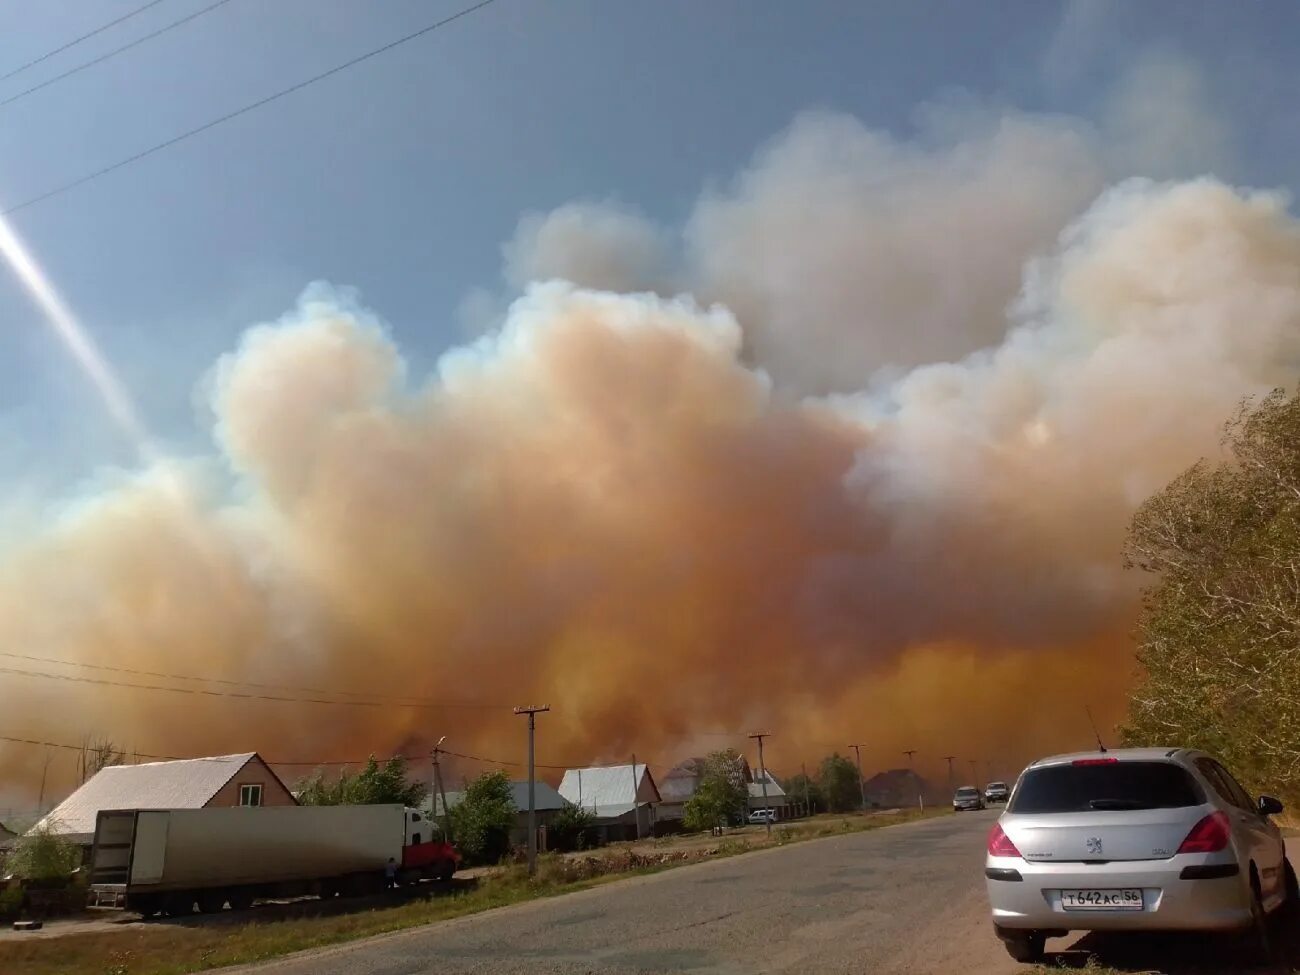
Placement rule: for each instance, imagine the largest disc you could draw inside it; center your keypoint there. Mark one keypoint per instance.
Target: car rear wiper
(1116, 804)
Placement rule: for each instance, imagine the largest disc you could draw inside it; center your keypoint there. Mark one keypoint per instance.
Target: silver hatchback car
(1139, 839)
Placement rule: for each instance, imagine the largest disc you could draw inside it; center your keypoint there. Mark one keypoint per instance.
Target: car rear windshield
(967, 793)
(1111, 786)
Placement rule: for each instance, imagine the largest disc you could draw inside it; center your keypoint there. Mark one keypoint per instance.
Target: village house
(192, 783)
(622, 799)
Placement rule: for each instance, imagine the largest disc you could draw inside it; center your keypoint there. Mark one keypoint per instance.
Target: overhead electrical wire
(113, 53)
(247, 696)
(77, 40)
(244, 110)
(376, 695)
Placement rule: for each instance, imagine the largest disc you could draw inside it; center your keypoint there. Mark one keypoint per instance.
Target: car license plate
(1126, 899)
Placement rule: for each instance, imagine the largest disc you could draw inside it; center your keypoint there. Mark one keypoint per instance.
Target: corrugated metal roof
(609, 790)
(774, 789)
(186, 784)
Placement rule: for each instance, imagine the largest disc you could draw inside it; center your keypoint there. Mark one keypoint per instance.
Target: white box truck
(167, 861)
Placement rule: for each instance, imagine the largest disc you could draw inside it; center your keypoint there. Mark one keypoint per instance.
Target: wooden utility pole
(862, 782)
(807, 794)
(439, 792)
(532, 712)
(762, 772)
(636, 811)
(952, 786)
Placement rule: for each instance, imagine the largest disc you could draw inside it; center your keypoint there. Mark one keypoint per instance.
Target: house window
(250, 795)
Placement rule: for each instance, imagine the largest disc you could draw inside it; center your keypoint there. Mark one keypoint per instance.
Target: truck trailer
(169, 861)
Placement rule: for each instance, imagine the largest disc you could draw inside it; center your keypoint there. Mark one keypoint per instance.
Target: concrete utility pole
(952, 785)
(439, 792)
(532, 713)
(974, 771)
(807, 794)
(909, 752)
(862, 783)
(762, 772)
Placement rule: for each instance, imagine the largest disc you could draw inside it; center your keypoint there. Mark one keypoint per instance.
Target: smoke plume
(870, 484)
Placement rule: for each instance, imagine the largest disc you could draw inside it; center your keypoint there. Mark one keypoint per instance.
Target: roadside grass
(175, 948)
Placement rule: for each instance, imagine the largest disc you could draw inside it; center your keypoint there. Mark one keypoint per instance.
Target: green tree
(483, 818)
(799, 786)
(838, 778)
(568, 828)
(373, 785)
(1219, 633)
(721, 795)
(43, 855)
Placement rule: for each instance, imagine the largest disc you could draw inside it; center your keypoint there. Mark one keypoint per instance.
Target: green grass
(175, 949)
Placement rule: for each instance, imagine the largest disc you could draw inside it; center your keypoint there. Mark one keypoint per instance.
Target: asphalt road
(902, 899)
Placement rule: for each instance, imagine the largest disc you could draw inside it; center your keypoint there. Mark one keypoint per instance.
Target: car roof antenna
(1096, 733)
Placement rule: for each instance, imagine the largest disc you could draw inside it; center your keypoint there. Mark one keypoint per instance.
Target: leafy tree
(484, 817)
(568, 828)
(838, 778)
(1219, 633)
(800, 785)
(721, 795)
(43, 855)
(373, 785)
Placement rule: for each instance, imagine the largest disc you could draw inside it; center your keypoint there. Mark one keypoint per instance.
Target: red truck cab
(426, 853)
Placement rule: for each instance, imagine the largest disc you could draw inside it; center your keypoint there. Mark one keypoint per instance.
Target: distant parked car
(763, 816)
(996, 792)
(967, 797)
(1139, 839)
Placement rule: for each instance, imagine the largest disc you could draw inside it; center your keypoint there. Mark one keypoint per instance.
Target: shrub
(481, 822)
(43, 855)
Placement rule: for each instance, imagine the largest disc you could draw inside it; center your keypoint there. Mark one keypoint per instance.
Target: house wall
(254, 772)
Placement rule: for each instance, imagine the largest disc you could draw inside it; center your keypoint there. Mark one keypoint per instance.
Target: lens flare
(74, 338)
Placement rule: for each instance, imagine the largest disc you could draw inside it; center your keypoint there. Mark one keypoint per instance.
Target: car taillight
(1210, 835)
(1000, 844)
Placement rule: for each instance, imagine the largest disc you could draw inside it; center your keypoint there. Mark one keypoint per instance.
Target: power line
(247, 696)
(250, 107)
(77, 40)
(228, 683)
(113, 53)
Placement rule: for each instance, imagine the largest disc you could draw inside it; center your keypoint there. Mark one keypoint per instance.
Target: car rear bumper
(1169, 902)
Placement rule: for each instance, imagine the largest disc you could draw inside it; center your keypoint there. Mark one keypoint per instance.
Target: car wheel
(1025, 946)
(1256, 944)
(1292, 887)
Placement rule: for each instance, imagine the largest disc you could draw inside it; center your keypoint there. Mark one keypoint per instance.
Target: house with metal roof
(621, 798)
(192, 783)
(771, 797)
(681, 781)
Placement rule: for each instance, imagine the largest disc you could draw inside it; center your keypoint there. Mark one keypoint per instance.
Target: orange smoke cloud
(607, 505)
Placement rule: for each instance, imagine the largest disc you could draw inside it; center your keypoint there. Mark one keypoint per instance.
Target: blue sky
(404, 177)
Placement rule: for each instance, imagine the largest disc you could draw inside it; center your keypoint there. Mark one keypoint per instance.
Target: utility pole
(636, 810)
(532, 713)
(439, 792)
(974, 771)
(762, 772)
(862, 783)
(807, 794)
(952, 786)
(911, 765)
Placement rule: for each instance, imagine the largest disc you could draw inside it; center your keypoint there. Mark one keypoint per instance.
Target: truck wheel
(211, 901)
(445, 872)
(241, 900)
(149, 905)
(179, 905)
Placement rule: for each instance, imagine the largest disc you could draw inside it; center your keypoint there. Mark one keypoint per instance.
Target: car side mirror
(1268, 806)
